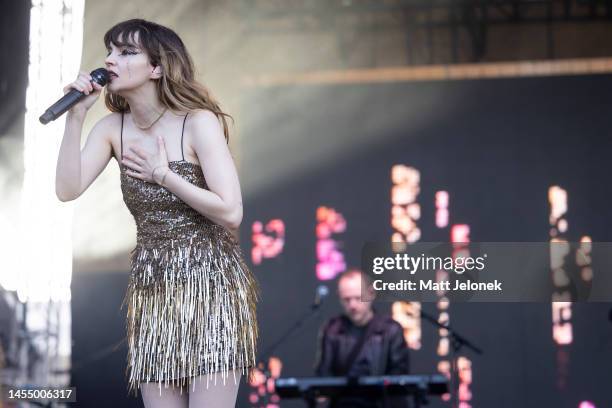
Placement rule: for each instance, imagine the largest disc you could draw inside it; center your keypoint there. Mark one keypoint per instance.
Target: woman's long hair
(177, 88)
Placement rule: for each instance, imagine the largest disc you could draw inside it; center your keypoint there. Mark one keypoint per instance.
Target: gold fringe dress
(191, 298)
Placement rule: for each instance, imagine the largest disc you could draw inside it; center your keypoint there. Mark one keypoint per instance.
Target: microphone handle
(62, 105)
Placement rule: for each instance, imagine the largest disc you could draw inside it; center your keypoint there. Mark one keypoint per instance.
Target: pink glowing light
(330, 260)
(442, 199)
(268, 242)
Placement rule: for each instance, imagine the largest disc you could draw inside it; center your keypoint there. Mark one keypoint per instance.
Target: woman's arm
(76, 170)
(222, 203)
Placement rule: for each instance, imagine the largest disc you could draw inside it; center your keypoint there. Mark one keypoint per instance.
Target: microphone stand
(457, 341)
(312, 310)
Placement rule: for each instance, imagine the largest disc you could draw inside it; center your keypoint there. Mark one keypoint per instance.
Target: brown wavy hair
(177, 88)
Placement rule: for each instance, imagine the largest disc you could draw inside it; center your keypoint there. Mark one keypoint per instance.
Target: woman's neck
(145, 106)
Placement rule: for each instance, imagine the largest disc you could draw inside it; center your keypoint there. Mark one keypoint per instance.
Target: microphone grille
(100, 75)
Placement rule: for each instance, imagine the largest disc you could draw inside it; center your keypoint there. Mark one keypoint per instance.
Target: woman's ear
(157, 72)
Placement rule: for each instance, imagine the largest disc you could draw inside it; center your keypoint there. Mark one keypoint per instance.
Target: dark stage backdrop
(496, 147)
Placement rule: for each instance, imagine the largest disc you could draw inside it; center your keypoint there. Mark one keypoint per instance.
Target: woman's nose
(109, 60)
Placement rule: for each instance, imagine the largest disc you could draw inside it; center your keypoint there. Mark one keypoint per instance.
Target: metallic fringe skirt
(191, 311)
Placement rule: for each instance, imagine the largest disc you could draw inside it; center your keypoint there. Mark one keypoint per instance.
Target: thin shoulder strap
(122, 113)
(182, 134)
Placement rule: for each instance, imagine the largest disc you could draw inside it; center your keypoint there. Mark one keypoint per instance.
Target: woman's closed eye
(128, 52)
(123, 52)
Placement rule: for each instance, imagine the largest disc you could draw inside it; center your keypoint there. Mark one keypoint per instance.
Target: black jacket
(384, 352)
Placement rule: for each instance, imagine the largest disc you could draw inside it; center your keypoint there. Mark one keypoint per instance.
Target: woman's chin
(111, 87)
(121, 89)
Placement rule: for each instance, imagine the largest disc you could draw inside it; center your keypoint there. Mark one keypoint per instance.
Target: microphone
(73, 96)
(322, 292)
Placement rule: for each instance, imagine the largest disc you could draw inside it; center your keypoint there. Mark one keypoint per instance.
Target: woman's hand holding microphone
(90, 88)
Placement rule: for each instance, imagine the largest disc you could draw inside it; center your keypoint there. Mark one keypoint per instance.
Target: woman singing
(191, 300)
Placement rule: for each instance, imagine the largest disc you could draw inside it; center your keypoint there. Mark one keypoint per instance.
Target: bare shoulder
(108, 125)
(109, 121)
(107, 131)
(203, 115)
(203, 120)
(204, 129)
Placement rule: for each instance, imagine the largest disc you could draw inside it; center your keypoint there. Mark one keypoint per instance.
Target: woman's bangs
(122, 36)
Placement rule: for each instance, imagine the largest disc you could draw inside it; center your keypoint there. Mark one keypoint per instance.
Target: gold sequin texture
(191, 300)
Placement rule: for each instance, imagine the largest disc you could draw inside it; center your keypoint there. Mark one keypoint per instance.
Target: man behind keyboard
(361, 342)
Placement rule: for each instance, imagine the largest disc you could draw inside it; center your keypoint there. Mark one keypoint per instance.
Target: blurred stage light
(45, 224)
(40, 248)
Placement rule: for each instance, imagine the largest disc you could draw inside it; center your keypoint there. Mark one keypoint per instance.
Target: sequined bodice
(160, 215)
